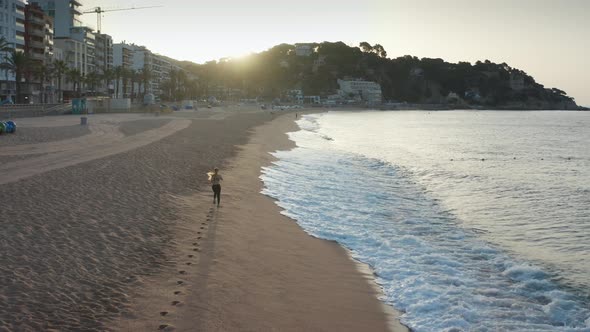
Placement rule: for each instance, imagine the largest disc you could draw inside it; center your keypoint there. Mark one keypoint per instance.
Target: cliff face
(282, 68)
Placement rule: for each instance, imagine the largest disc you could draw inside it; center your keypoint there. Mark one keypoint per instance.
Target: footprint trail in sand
(166, 325)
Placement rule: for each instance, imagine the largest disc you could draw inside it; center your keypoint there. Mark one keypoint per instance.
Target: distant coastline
(447, 107)
(443, 107)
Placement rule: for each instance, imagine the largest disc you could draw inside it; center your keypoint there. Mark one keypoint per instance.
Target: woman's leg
(218, 194)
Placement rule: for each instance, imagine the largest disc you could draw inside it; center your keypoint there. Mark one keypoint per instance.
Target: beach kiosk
(78, 105)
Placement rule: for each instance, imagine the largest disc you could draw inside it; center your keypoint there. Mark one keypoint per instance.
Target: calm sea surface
(471, 220)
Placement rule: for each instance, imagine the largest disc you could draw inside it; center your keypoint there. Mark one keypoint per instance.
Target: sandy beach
(112, 228)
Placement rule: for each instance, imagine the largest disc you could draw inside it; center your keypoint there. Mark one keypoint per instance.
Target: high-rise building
(160, 73)
(123, 57)
(66, 14)
(141, 60)
(19, 18)
(87, 61)
(76, 41)
(75, 54)
(10, 14)
(104, 60)
(12, 28)
(104, 52)
(156, 65)
(39, 49)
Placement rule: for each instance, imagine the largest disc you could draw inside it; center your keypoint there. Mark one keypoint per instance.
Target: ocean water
(471, 220)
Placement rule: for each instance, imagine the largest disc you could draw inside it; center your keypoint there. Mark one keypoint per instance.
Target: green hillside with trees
(273, 73)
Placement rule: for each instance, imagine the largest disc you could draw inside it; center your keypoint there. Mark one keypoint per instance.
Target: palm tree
(166, 88)
(125, 76)
(44, 73)
(107, 76)
(182, 84)
(178, 84)
(5, 47)
(75, 76)
(16, 62)
(118, 74)
(59, 68)
(134, 78)
(192, 89)
(92, 80)
(146, 77)
(173, 84)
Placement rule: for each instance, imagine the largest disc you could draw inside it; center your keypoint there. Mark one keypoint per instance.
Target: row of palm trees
(179, 86)
(27, 71)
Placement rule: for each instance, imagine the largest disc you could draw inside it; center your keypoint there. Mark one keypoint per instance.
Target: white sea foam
(442, 275)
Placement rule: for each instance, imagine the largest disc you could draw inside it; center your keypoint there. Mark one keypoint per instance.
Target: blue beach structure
(10, 127)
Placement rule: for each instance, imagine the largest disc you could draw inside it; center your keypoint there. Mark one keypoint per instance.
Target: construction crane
(99, 12)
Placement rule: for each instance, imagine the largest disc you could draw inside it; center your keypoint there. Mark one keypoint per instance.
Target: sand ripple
(32, 135)
(131, 128)
(78, 240)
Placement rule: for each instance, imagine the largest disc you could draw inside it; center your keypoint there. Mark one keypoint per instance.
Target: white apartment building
(12, 28)
(161, 73)
(66, 15)
(104, 60)
(137, 58)
(12, 22)
(78, 51)
(157, 65)
(367, 91)
(73, 53)
(58, 54)
(123, 55)
(84, 61)
(104, 52)
(76, 41)
(142, 58)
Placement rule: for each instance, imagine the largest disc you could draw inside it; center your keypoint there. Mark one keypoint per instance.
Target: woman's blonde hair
(211, 173)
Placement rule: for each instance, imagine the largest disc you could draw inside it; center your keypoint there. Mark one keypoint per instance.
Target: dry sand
(77, 239)
(122, 234)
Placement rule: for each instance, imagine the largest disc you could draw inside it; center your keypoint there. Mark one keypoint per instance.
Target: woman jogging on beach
(215, 178)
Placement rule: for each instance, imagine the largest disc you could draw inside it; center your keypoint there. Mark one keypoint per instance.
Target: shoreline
(392, 316)
(252, 268)
(146, 250)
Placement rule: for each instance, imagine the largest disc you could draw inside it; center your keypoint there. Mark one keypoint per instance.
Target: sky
(548, 39)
